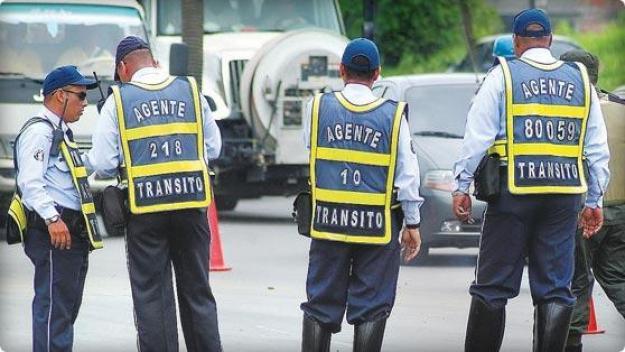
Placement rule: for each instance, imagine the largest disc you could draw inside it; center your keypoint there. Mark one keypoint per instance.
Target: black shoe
(551, 327)
(315, 338)
(576, 348)
(368, 336)
(485, 327)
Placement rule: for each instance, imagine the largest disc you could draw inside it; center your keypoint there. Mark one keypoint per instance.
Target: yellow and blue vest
(353, 154)
(163, 145)
(546, 109)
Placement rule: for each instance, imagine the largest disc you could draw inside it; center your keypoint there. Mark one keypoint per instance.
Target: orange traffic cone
(592, 327)
(217, 262)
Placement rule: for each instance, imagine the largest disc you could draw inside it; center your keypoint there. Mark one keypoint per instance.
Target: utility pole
(368, 7)
(192, 12)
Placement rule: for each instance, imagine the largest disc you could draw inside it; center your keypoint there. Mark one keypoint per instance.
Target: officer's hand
(462, 206)
(591, 221)
(410, 243)
(59, 235)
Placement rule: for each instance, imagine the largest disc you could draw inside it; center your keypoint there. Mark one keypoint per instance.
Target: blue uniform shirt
(486, 122)
(407, 169)
(106, 154)
(44, 181)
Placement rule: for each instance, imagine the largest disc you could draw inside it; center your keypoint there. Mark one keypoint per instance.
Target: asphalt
(258, 300)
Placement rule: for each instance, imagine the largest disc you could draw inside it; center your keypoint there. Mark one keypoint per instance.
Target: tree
(193, 35)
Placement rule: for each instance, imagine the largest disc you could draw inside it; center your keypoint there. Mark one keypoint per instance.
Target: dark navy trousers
(541, 227)
(361, 279)
(59, 282)
(154, 241)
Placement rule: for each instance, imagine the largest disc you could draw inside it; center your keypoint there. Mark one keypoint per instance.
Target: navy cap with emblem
(64, 76)
(361, 54)
(125, 47)
(528, 17)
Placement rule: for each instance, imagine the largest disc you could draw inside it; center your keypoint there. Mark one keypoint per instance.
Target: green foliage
(423, 33)
(609, 46)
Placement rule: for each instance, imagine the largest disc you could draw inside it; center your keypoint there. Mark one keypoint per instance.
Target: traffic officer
(362, 167)
(160, 129)
(542, 117)
(48, 181)
(605, 251)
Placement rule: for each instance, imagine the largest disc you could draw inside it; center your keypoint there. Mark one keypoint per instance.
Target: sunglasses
(81, 95)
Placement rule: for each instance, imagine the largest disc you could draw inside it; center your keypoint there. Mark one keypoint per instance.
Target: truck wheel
(226, 202)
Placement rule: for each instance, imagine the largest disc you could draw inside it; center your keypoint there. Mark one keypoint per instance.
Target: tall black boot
(315, 338)
(551, 326)
(368, 336)
(485, 327)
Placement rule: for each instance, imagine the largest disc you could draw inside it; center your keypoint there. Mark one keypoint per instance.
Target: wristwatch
(459, 193)
(412, 226)
(52, 220)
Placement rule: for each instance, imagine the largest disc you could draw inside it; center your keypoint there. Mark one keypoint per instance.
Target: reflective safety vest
(71, 154)
(546, 109)
(72, 157)
(353, 152)
(162, 139)
(614, 117)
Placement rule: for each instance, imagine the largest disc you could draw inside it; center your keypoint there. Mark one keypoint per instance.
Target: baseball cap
(361, 54)
(503, 46)
(531, 16)
(66, 75)
(589, 60)
(125, 47)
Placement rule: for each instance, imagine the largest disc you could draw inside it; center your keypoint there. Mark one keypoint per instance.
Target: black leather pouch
(302, 212)
(487, 178)
(115, 209)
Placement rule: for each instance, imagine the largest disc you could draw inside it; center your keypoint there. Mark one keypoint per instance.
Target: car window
(439, 109)
(386, 90)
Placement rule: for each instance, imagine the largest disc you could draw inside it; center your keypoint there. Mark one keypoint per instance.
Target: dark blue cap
(531, 16)
(125, 47)
(361, 54)
(64, 76)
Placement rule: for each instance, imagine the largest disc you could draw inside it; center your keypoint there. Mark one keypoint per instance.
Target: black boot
(485, 327)
(551, 326)
(315, 338)
(368, 336)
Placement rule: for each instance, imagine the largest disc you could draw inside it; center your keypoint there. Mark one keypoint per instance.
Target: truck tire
(226, 202)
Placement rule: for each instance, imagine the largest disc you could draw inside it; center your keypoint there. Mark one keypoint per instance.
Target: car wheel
(226, 202)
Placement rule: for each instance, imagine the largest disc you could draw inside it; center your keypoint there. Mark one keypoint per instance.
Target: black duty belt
(73, 219)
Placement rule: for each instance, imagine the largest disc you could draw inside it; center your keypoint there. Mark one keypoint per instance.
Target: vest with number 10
(546, 109)
(161, 132)
(353, 154)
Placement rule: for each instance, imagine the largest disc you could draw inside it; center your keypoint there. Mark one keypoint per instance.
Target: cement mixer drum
(278, 82)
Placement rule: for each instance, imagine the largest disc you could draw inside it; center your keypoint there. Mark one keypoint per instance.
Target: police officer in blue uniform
(542, 118)
(363, 174)
(55, 239)
(160, 130)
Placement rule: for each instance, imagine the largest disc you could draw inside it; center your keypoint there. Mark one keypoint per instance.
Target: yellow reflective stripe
(166, 168)
(17, 212)
(334, 196)
(71, 144)
(569, 151)
(548, 67)
(353, 156)
(497, 149)
(88, 208)
(143, 209)
(199, 120)
(314, 122)
(548, 110)
(81, 172)
(358, 108)
(161, 130)
(155, 86)
(509, 120)
(381, 239)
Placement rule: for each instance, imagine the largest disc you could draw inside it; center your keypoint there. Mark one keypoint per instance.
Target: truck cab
(37, 36)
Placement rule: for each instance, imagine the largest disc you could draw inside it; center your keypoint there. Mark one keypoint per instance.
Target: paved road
(258, 301)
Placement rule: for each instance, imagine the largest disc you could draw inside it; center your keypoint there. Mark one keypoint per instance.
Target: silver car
(438, 106)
